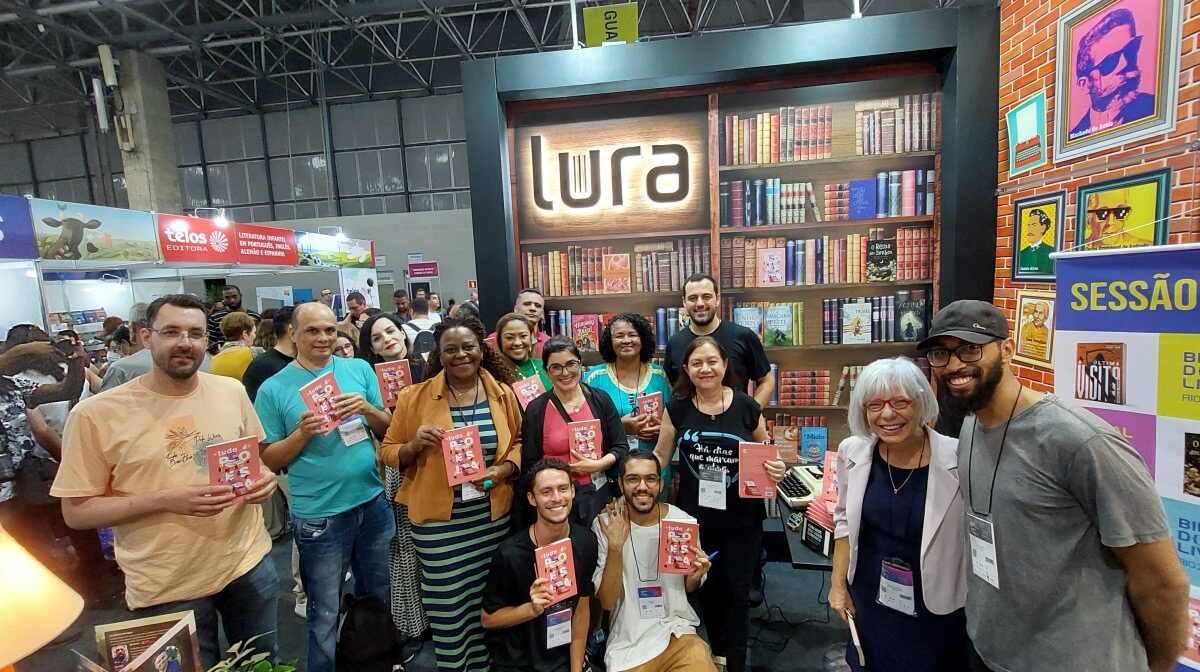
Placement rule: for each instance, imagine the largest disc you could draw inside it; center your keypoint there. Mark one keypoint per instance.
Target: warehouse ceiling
(235, 56)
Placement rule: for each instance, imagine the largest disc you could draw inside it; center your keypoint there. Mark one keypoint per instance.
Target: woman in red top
(545, 428)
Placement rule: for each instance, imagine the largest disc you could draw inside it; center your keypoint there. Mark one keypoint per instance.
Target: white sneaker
(302, 607)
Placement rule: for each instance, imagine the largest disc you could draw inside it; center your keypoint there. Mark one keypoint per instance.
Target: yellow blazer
(426, 490)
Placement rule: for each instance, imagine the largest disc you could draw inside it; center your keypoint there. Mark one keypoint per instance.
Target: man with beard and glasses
(1106, 68)
(134, 460)
(528, 632)
(747, 358)
(1067, 534)
(231, 299)
(653, 628)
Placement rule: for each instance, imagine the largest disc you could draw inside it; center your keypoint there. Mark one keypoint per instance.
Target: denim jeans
(355, 540)
(248, 607)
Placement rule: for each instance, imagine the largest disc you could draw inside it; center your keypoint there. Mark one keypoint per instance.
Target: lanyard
(460, 417)
(633, 546)
(999, 454)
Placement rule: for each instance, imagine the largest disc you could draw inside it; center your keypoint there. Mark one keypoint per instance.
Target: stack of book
(803, 387)
(785, 135)
(818, 518)
(837, 202)
(897, 125)
(777, 324)
(766, 201)
(665, 265)
(875, 319)
(894, 193)
(914, 252)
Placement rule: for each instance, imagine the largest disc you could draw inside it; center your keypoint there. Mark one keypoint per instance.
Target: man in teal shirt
(341, 519)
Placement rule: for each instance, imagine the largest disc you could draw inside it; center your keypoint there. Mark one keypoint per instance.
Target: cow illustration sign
(80, 232)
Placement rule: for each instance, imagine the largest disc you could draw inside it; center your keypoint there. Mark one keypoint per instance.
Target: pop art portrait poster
(1037, 233)
(1118, 73)
(1124, 212)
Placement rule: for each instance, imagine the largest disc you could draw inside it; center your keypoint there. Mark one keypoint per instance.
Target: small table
(803, 557)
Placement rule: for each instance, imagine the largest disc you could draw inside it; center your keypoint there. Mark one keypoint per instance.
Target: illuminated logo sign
(580, 175)
(188, 239)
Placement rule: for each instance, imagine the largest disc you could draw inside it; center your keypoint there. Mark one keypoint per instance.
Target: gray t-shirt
(1068, 489)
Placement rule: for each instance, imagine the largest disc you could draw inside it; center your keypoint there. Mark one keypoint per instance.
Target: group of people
(1068, 540)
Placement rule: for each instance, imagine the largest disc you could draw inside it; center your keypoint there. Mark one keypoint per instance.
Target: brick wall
(1028, 33)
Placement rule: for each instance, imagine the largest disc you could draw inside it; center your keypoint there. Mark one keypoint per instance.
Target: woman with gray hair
(899, 570)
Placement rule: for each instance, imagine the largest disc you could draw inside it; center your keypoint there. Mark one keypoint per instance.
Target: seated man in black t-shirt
(530, 628)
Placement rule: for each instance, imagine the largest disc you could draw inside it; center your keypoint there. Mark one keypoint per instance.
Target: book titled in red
(556, 564)
(463, 454)
(753, 481)
(675, 541)
(584, 437)
(234, 463)
(651, 404)
(318, 397)
(528, 389)
(393, 377)
(787, 440)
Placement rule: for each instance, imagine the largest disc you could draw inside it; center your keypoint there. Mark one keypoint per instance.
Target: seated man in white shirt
(653, 627)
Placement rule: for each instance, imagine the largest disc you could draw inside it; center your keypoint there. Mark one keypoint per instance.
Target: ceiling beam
(519, 7)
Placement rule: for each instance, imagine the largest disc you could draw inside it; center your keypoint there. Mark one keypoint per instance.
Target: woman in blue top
(627, 345)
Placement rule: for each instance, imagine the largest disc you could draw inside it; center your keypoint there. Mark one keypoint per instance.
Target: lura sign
(579, 176)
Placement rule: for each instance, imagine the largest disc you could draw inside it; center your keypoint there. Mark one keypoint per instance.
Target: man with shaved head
(340, 516)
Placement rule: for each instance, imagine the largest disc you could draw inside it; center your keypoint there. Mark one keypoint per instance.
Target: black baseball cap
(973, 321)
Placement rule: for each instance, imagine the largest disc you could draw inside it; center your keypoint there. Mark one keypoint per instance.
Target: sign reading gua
(618, 175)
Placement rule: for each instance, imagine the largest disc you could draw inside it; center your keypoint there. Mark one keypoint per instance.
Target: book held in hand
(234, 463)
(584, 437)
(392, 377)
(463, 455)
(556, 564)
(651, 404)
(318, 397)
(753, 481)
(675, 541)
(528, 389)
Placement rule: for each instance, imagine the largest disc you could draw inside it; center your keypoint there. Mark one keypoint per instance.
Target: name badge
(651, 603)
(712, 488)
(558, 627)
(983, 549)
(896, 587)
(599, 479)
(471, 493)
(353, 431)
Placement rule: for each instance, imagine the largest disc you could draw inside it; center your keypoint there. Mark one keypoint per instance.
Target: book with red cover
(556, 564)
(234, 463)
(585, 331)
(829, 484)
(616, 274)
(318, 397)
(462, 454)
(584, 438)
(650, 404)
(675, 541)
(753, 481)
(528, 389)
(392, 377)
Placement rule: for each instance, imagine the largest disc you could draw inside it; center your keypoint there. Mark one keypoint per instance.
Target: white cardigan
(943, 537)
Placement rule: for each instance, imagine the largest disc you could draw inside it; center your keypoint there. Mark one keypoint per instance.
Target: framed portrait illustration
(1118, 73)
(1027, 135)
(1035, 328)
(1124, 212)
(1038, 231)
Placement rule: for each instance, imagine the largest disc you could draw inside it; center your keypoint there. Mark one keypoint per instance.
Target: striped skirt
(455, 556)
(408, 613)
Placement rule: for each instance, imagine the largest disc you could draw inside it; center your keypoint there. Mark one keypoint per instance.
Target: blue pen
(712, 555)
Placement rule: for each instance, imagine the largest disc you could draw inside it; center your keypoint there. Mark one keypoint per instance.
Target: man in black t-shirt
(747, 357)
(274, 360)
(528, 629)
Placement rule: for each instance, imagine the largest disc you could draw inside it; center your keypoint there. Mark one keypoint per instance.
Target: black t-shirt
(523, 647)
(705, 443)
(747, 357)
(263, 367)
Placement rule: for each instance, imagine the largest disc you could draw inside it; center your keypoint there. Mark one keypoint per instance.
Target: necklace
(538, 544)
(632, 546)
(572, 407)
(920, 458)
(722, 404)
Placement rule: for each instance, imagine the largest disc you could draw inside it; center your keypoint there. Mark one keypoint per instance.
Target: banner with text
(1127, 348)
(16, 229)
(266, 245)
(193, 239)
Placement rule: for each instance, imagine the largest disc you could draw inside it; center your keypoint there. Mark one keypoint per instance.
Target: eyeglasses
(1120, 212)
(556, 369)
(1129, 52)
(179, 334)
(897, 403)
(349, 347)
(632, 480)
(966, 354)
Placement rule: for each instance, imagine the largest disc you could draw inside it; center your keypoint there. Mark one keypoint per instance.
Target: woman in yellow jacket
(456, 529)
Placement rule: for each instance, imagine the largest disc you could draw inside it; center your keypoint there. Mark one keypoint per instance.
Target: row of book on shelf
(897, 125)
(827, 260)
(783, 135)
(875, 319)
(769, 201)
(589, 271)
(585, 328)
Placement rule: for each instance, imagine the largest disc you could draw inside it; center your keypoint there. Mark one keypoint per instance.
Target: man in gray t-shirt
(1072, 564)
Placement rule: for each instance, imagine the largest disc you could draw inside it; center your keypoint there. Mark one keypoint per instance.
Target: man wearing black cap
(1072, 564)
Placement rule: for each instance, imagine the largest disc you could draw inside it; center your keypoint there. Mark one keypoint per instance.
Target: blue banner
(1143, 292)
(16, 229)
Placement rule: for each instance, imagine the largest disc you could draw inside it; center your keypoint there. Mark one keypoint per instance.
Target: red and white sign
(422, 270)
(472, 284)
(267, 245)
(192, 239)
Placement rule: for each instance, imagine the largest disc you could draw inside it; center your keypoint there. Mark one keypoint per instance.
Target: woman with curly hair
(457, 529)
(514, 340)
